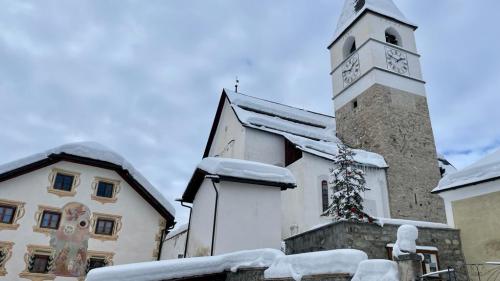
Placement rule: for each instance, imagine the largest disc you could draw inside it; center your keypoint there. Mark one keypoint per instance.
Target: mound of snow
(382, 221)
(406, 242)
(170, 269)
(315, 263)
(377, 270)
(246, 169)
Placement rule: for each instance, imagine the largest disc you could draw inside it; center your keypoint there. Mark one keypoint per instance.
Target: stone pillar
(409, 266)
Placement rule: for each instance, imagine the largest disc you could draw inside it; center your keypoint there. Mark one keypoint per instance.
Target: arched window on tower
(392, 36)
(324, 195)
(349, 46)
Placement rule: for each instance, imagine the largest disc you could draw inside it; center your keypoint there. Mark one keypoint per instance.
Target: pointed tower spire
(353, 9)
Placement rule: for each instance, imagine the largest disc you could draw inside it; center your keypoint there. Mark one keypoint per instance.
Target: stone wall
(373, 239)
(257, 274)
(397, 125)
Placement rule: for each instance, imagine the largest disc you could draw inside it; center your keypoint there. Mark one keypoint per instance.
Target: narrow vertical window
(324, 195)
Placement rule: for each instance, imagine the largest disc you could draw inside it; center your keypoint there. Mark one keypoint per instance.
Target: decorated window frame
(102, 199)
(59, 192)
(117, 226)
(29, 258)
(19, 212)
(5, 255)
(106, 257)
(39, 217)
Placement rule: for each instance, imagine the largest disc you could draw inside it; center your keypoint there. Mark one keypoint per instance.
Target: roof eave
(199, 175)
(54, 158)
(346, 29)
(465, 185)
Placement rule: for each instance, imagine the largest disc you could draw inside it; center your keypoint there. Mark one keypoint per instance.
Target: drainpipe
(162, 239)
(189, 225)
(214, 180)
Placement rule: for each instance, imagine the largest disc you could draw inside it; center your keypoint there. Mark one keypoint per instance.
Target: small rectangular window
(104, 227)
(39, 264)
(105, 189)
(7, 214)
(64, 182)
(50, 220)
(355, 104)
(95, 262)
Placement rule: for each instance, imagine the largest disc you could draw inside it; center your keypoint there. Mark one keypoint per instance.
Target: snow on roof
(247, 170)
(374, 270)
(310, 132)
(178, 230)
(180, 268)
(484, 169)
(330, 149)
(353, 9)
(316, 263)
(267, 115)
(93, 151)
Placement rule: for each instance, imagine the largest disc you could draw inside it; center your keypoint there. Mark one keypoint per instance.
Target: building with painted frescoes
(77, 207)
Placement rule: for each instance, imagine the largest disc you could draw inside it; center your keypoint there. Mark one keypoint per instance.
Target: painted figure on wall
(70, 241)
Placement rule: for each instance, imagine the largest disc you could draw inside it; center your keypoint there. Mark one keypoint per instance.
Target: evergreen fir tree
(347, 182)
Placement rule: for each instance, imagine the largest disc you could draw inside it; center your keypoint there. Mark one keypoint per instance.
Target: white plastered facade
(136, 240)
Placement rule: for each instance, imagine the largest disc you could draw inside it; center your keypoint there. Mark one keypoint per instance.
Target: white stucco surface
(173, 247)
(302, 206)
(202, 216)
(136, 240)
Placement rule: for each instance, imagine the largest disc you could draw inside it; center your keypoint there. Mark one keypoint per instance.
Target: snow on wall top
(375, 270)
(94, 151)
(484, 169)
(310, 132)
(181, 268)
(354, 8)
(316, 263)
(246, 169)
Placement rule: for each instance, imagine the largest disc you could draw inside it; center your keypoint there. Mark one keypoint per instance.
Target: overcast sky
(144, 77)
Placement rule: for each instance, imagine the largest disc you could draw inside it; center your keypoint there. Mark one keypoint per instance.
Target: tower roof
(353, 9)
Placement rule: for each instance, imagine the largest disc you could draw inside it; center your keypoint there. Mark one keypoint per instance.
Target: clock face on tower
(351, 69)
(397, 61)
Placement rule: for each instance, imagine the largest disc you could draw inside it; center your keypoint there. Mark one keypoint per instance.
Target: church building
(380, 111)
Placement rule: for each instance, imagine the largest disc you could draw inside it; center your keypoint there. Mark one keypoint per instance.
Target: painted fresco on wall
(70, 241)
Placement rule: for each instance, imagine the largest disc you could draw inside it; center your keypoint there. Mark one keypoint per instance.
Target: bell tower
(381, 106)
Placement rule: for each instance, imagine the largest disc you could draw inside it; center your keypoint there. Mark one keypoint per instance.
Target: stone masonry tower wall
(381, 106)
(396, 124)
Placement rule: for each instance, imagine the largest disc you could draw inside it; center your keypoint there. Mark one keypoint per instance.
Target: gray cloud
(145, 77)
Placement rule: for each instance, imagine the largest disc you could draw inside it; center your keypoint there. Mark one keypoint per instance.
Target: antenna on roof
(236, 84)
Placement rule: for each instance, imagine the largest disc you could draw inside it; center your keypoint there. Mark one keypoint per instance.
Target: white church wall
(264, 147)
(140, 222)
(302, 207)
(292, 202)
(248, 217)
(229, 140)
(173, 247)
(202, 216)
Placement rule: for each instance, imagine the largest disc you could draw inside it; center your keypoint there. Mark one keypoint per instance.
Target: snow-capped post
(405, 253)
(347, 183)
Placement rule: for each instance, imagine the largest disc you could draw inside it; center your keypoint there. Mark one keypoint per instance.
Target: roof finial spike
(236, 84)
